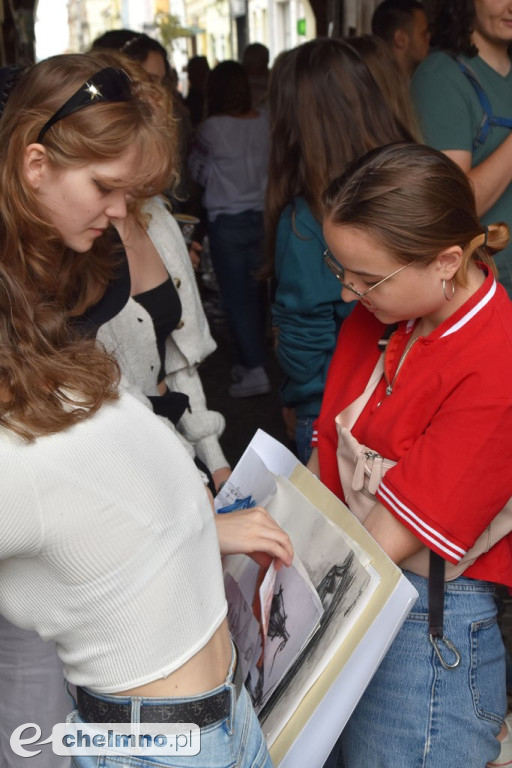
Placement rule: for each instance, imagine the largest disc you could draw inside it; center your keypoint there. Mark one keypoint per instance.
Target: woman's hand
(255, 533)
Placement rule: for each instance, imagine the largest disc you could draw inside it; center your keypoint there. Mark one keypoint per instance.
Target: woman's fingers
(251, 531)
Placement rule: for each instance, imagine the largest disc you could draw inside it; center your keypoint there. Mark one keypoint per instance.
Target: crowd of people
(355, 201)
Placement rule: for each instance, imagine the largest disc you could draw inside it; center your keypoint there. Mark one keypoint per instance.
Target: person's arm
(304, 309)
(220, 476)
(491, 177)
(446, 105)
(255, 533)
(394, 538)
(200, 425)
(314, 464)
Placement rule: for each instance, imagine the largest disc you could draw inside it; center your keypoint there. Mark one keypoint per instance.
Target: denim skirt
(417, 714)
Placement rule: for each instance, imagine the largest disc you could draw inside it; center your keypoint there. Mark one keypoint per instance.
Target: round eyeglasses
(339, 272)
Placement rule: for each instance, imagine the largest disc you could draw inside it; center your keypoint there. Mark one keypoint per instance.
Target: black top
(163, 305)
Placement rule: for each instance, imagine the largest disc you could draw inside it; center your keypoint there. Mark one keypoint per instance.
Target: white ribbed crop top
(108, 546)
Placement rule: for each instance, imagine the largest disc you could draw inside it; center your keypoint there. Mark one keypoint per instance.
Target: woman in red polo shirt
(404, 238)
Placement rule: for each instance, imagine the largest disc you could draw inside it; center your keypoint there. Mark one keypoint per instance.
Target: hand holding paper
(255, 533)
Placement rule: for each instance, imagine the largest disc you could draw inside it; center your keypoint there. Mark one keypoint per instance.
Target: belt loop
(230, 724)
(136, 703)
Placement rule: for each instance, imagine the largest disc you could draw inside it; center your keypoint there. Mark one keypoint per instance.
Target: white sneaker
(505, 756)
(254, 381)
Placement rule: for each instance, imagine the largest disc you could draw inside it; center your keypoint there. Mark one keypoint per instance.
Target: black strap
(439, 642)
(436, 595)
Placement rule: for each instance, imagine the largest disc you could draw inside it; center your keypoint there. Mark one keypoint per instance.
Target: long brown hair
(393, 83)
(48, 378)
(416, 202)
(325, 110)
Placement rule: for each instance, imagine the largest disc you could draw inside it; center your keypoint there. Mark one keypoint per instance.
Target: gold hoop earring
(448, 298)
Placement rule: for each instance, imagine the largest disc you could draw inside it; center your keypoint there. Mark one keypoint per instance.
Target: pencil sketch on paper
(294, 612)
(277, 622)
(276, 629)
(339, 592)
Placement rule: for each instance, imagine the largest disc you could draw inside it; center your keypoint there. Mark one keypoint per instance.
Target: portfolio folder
(306, 713)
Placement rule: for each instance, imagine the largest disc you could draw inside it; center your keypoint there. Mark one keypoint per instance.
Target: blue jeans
(235, 741)
(415, 713)
(236, 248)
(303, 435)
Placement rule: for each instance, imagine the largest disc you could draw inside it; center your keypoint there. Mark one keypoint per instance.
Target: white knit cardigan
(130, 336)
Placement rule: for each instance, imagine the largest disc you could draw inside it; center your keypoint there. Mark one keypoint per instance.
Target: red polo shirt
(447, 422)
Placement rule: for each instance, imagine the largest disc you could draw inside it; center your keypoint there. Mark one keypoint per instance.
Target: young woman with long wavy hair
(109, 544)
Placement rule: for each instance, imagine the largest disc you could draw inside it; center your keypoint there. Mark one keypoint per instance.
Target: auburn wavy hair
(49, 377)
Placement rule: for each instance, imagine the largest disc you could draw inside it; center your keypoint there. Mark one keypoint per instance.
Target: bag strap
(488, 118)
(436, 611)
(352, 412)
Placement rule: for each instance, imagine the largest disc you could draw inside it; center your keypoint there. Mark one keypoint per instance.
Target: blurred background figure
(198, 70)
(463, 96)
(153, 57)
(403, 25)
(139, 47)
(326, 110)
(229, 160)
(255, 62)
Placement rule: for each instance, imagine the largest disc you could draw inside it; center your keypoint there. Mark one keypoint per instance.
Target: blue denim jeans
(303, 435)
(415, 713)
(236, 248)
(234, 742)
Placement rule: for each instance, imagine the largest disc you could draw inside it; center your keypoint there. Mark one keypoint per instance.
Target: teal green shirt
(450, 117)
(307, 309)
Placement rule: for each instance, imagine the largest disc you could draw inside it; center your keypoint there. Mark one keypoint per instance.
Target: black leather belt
(203, 712)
